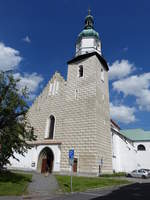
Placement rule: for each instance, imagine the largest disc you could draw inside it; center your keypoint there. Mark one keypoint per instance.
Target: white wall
(26, 162)
(87, 42)
(88, 45)
(143, 157)
(125, 155)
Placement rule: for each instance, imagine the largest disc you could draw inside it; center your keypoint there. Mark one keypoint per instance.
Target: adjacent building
(130, 149)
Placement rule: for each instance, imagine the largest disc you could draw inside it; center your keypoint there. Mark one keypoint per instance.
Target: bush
(118, 174)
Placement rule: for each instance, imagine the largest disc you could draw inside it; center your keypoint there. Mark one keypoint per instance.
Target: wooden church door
(44, 163)
(75, 165)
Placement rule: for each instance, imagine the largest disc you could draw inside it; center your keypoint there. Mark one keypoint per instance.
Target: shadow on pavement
(137, 191)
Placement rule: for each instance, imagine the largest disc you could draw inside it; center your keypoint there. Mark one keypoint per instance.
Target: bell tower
(86, 109)
(88, 40)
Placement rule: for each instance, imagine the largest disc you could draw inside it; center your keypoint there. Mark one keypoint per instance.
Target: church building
(73, 114)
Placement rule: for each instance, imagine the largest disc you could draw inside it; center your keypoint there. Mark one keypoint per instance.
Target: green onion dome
(88, 33)
(88, 30)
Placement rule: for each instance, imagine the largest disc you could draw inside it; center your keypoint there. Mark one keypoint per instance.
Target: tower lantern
(88, 40)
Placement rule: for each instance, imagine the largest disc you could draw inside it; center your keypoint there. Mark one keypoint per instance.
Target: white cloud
(143, 100)
(137, 86)
(9, 58)
(125, 49)
(27, 39)
(122, 113)
(31, 81)
(120, 69)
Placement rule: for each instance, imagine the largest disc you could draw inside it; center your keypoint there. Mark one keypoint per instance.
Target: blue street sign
(71, 154)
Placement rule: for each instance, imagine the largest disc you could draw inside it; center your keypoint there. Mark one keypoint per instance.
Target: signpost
(71, 160)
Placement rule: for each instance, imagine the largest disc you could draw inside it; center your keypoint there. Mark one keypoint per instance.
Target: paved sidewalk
(42, 185)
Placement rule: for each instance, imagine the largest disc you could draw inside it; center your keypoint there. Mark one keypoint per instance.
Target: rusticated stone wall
(81, 111)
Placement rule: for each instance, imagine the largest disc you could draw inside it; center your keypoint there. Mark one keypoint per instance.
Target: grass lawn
(14, 183)
(84, 183)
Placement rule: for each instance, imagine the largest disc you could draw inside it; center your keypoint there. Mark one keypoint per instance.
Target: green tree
(15, 130)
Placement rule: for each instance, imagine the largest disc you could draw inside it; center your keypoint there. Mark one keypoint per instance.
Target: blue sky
(38, 37)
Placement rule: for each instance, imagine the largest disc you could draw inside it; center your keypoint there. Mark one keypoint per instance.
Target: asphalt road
(135, 191)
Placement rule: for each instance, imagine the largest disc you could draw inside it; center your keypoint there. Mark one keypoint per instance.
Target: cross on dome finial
(89, 11)
(89, 21)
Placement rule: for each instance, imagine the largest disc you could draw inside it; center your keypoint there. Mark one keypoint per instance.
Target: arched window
(81, 71)
(53, 88)
(50, 125)
(51, 128)
(141, 147)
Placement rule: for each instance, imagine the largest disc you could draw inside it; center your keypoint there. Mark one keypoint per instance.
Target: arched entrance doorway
(45, 162)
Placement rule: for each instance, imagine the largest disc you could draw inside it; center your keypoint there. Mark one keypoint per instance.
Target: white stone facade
(29, 162)
(88, 45)
(126, 156)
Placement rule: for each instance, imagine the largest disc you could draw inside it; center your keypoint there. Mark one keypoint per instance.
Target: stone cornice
(42, 142)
